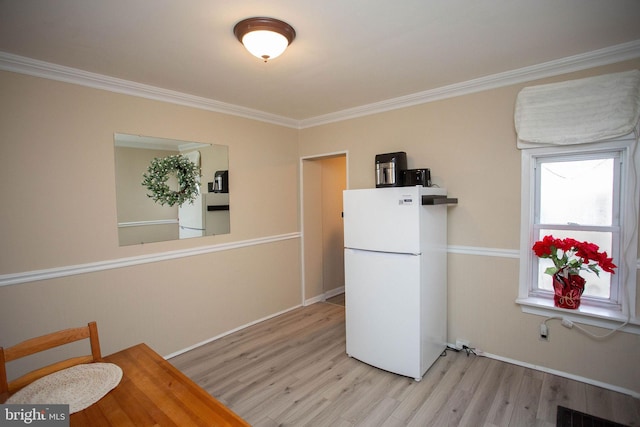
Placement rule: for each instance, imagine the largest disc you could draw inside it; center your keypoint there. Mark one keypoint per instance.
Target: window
(587, 192)
(578, 196)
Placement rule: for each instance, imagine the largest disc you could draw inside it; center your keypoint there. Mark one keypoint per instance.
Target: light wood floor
(292, 370)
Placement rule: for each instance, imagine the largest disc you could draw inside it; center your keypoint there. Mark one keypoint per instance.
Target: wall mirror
(143, 220)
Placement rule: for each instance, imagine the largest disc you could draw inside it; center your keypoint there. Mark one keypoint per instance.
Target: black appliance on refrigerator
(391, 171)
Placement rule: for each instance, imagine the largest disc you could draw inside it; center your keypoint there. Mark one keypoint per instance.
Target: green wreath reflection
(157, 175)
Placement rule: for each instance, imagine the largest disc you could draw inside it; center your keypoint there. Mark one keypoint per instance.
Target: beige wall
(57, 184)
(312, 228)
(468, 142)
(59, 210)
(334, 182)
(323, 180)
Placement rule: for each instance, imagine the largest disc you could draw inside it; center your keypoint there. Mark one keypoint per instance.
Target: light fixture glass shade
(265, 38)
(265, 44)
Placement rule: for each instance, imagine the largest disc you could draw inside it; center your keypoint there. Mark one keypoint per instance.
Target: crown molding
(609, 55)
(47, 70)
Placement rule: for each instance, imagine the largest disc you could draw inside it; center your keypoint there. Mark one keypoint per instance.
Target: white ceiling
(348, 53)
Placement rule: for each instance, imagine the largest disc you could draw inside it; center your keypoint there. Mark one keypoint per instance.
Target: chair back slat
(45, 342)
(42, 343)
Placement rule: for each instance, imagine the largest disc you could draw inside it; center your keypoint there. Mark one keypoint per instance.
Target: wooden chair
(45, 342)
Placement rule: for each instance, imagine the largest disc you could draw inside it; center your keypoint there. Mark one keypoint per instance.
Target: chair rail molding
(71, 270)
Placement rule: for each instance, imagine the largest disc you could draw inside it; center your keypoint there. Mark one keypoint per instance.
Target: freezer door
(382, 298)
(384, 219)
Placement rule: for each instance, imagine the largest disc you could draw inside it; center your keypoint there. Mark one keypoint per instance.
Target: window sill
(587, 315)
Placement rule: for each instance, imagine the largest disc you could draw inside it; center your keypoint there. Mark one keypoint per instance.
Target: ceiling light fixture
(265, 38)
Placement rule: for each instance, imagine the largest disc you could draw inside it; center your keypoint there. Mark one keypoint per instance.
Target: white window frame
(614, 302)
(603, 315)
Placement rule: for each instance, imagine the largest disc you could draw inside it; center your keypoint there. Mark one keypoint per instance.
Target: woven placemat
(79, 386)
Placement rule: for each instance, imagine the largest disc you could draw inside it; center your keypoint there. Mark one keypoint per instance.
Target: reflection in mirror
(141, 220)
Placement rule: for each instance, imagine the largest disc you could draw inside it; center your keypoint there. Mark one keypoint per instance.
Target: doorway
(323, 179)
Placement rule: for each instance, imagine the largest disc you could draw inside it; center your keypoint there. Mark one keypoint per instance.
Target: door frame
(304, 159)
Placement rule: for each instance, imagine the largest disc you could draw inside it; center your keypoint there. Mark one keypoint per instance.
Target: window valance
(578, 111)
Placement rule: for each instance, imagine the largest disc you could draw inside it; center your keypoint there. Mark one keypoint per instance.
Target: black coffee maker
(221, 182)
(389, 169)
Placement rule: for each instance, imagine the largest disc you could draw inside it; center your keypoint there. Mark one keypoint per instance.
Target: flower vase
(567, 290)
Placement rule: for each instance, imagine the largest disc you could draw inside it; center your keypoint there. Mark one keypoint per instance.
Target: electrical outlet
(544, 332)
(460, 344)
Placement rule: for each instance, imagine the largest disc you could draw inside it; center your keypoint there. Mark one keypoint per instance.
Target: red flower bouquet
(570, 257)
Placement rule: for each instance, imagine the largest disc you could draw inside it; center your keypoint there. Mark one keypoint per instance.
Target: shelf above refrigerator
(431, 200)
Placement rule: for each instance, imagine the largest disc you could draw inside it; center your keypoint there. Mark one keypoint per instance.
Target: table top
(153, 392)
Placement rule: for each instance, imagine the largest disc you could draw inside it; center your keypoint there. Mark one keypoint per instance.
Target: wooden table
(154, 393)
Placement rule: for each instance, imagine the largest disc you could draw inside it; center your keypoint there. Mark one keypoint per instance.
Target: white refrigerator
(191, 215)
(395, 278)
(191, 218)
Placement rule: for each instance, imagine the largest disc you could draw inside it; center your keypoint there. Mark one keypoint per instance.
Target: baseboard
(333, 292)
(314, 300)
(224, 334)
(563, 374)
(325, 296)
